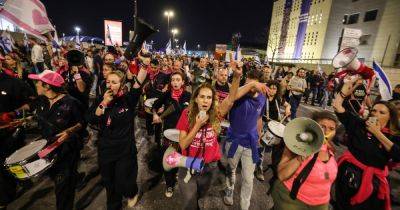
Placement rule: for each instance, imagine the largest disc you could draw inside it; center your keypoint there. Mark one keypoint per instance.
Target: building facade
(311, 30)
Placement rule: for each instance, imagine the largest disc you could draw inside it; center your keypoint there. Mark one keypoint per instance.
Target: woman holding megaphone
(117, 153)
(199, 127)
(305, 182)
(373, 143)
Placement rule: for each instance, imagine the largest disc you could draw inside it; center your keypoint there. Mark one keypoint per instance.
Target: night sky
(203, 22)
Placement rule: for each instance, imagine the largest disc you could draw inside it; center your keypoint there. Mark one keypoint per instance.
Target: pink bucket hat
(49, 77)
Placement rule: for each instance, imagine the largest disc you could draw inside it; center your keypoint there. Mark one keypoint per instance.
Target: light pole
(168, 14)
(77, 29)
(174, 32)
(198, 47)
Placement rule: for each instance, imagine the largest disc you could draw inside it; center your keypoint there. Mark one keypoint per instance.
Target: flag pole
(384, 52)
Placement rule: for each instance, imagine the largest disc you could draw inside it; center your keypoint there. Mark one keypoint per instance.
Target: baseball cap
(49, 77)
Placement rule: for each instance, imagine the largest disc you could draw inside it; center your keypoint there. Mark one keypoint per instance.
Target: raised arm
(343, 93)
(227, 103)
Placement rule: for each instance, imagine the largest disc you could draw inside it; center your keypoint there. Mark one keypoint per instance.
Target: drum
(273, 133)
(276, 128)
(25, 163)
(172, 135)
(148, 105)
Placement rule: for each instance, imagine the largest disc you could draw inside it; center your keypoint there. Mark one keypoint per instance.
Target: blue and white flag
(26, 41)
(266, 59)
(55, 41)
(385, 89)
(257, 60)
(238, 54)
(168, 48)
(184, 49)
(6, 42)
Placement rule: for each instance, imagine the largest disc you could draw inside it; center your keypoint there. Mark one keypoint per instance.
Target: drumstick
(284, 118)
(44, 152)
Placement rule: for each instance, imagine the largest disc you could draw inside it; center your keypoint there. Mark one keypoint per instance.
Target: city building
(310, 31)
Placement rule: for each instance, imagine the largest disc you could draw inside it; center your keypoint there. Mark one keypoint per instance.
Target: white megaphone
(173, 159)
(303, 136)
(347, 58)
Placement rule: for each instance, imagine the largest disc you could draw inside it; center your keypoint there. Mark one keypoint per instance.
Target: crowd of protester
(106, 91)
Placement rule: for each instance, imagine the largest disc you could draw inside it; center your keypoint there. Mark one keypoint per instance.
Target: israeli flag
(385, 89)
(6, 42)
(238, 54)
(168, 49)
(184, 48)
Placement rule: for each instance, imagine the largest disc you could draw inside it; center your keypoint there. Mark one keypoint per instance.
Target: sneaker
(228, 198)
(169, 192)
(133, 201)
(259, 175)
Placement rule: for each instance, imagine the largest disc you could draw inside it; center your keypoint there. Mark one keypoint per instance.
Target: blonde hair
(213, 113)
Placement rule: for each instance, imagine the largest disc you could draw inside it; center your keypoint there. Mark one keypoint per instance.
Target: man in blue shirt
(243, 136)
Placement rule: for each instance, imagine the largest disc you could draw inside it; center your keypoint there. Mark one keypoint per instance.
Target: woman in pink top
(314, 192)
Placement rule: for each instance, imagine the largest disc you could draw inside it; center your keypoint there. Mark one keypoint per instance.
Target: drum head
(26, 152)
(149, 102)
(172, 134)
(225, 124)
(276, 128)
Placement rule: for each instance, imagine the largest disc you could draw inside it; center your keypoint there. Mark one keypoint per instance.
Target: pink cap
(49, 77)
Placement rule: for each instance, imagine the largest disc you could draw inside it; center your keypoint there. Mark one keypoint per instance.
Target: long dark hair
(393, 124)
(278, 89)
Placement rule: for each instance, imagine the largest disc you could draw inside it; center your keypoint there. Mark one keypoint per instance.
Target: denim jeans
(294, 102)
(245, 156)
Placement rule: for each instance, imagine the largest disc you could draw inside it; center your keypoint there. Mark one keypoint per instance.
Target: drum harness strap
(267, 109)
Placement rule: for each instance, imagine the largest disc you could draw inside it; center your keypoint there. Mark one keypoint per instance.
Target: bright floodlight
(77, 29)
(175, 31)
(169, 13)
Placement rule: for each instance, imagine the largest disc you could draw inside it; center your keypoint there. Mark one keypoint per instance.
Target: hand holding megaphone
(173, 159)
(348, 84)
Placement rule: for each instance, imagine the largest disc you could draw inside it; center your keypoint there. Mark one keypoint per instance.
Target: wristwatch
(102, 107)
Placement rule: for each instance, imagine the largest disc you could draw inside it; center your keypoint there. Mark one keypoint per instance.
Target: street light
(77, 29)
(168, 14)
(198, 46)
(174, 32)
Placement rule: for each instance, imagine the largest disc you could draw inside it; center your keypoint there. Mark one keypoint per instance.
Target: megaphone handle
(188, 176)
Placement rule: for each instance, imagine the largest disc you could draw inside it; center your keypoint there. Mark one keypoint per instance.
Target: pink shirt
(205, 141)
(317, 187)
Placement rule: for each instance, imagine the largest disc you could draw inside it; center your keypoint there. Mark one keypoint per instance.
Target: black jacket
(167, 100)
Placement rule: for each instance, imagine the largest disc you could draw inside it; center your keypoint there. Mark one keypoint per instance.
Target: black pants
(119, 179)
(197, 186)
(153, 129)
(345, 190)
(64, 174)
(8, 186)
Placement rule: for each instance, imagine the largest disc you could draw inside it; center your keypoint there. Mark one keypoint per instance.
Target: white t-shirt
(298, 83)
(37, 54)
